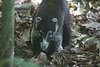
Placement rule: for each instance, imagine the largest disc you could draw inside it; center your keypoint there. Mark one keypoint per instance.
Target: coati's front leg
(36, 46)
(54, 46)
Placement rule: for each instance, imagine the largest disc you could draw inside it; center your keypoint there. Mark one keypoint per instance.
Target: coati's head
(46, 29)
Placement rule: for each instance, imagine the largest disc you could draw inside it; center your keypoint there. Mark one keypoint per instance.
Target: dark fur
(47, 10)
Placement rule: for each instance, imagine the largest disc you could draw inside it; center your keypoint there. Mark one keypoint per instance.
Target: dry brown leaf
(93, 25)
(20, 42)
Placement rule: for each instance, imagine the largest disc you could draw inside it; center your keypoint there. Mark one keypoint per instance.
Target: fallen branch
(26, 6)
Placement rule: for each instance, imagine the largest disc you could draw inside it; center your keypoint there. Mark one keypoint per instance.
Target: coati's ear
(54, 20)
(38, 19)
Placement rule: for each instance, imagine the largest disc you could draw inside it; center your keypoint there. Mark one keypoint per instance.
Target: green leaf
(98, 65)
(22, 63)
(97, 41)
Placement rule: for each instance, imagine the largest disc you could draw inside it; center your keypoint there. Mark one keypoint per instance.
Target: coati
(51, 27)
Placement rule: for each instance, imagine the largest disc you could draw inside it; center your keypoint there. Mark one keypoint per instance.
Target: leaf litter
(85, 50)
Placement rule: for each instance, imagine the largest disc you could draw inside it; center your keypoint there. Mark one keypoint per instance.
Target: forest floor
(85, 51)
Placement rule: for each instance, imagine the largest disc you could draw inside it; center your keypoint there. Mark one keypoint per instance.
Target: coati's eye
(54, 20)
(40, 33)
(50, 34)
(38, 19)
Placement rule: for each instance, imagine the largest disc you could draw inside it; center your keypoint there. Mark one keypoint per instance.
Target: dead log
(26, 6)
